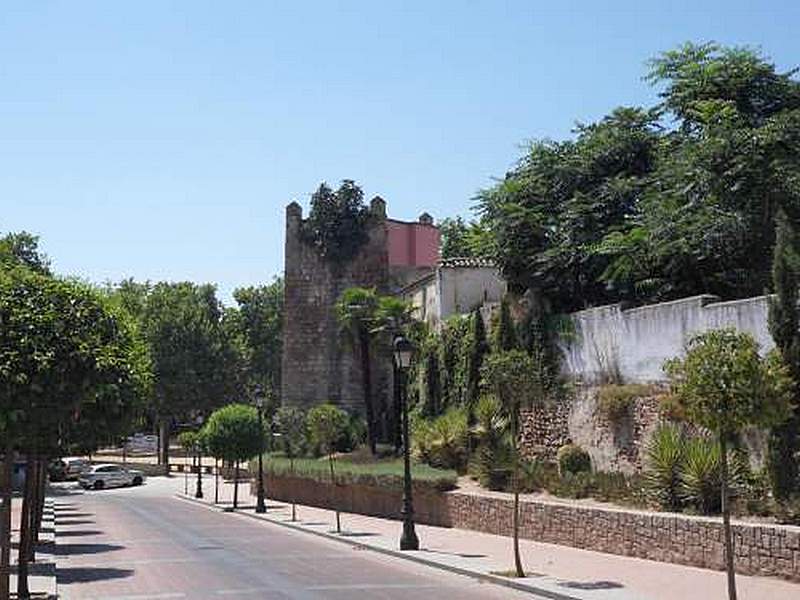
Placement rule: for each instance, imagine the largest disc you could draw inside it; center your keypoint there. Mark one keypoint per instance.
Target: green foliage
(478, 349)
(725, 385)
(196, 364)
(291, 424)
(442, 442)
(665, 456)
(382, 474)
(337, 223)
(784, 325)
(701, 481)
(572, 460)
(490, 461)
(232, 433)
(257, 321)
(461, 240)
(22, 249)
(326, 425)
(629, 210)
(615, 401)
(72, 368)
(188, 440)
(504, 333)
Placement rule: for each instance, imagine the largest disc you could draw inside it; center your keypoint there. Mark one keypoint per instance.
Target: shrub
(665, 455)
(573, 459)
(615, 401)
(442, 443)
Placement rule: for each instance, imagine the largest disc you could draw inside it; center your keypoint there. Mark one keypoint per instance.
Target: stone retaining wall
(772, 550)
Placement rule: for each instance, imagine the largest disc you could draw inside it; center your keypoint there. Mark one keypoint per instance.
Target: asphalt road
(144, 544)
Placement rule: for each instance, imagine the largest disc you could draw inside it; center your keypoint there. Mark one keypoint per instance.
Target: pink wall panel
(412, 244)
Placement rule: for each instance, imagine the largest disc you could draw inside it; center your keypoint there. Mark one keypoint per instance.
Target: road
(145, 544)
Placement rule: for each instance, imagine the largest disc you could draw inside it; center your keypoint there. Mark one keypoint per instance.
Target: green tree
(512, 377)
(784, 325)
(326, 425)
(337, 222)
(478, 349)
(356, 311)
(64, 354)
(195, 361)
(233, 434)
(724, 385)
(22, 249)
(258, 319)
(464, 240)
(291, 424)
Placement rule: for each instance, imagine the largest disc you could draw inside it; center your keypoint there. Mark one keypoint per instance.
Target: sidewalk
(557, 572)
(42, 573)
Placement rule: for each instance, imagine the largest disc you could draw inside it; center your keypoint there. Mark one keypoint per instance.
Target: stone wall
(318, 365)
(614, 445)
(611, 343)
(772, 550)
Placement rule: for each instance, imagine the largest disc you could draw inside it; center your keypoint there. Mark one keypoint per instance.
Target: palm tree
(356, 310)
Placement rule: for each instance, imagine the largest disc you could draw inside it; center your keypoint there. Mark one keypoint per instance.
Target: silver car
(109, 475)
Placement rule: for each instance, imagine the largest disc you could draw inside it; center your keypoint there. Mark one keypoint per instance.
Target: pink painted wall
(412, 244)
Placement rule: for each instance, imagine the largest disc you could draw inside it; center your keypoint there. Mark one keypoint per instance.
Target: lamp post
(198, 445)
(259, 399)
(403, 352)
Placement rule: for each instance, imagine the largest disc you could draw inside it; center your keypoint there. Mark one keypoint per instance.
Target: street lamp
(403, 353)
(259, 400)
(199, 491)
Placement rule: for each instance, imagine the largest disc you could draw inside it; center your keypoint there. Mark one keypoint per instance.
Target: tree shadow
(67, 575)
(70, 549)
(358, 534)
(69, 514)
(62, 522)
(591, 585)
(79, 532)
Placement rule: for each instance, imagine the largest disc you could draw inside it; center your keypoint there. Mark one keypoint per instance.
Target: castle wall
(318, 364)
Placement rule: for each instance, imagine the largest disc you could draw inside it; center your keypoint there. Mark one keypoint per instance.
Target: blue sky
(162, 140)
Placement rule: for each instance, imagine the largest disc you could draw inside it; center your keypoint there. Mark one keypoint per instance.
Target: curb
(485, 577)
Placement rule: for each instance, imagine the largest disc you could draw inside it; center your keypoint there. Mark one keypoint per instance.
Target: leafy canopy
(233, 433)
(724, 384)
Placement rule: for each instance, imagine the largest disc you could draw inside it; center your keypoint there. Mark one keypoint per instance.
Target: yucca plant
(489, 431)
(665, 454)
(701, 480)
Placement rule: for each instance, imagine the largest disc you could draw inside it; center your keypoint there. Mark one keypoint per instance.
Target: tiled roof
(468, 262)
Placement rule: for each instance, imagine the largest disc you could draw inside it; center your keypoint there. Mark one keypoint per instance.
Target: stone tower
(318, 365)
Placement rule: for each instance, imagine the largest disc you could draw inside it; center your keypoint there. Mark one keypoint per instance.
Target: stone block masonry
(760, 549)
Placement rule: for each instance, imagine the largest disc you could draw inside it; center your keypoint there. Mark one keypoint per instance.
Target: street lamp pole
(403, 352)
(259, 397)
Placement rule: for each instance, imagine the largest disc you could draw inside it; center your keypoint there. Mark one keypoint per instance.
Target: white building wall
(461, 290)
(635, 343)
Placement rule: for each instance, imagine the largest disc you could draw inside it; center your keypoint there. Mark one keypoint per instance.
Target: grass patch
(384, 472)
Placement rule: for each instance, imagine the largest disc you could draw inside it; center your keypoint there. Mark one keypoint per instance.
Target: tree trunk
(236, 486)
(163, 437)
(216, 481)
(366, 382)
(726, 519)
(515, 482)
(25, 531)
(5, 522)
(294, 506)
(333, 491)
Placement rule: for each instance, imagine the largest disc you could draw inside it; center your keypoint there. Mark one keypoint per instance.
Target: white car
(107, 476)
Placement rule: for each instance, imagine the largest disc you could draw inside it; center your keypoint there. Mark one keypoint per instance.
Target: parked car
(140, 442)
(67, 469)
(107, 476)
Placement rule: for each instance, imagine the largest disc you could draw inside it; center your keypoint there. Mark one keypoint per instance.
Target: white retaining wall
(634, 343)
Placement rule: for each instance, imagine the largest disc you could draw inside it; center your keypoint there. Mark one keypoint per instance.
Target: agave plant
(663, 464)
